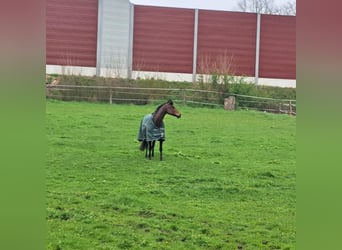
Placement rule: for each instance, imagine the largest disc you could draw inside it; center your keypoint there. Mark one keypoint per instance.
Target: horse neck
(159, 116)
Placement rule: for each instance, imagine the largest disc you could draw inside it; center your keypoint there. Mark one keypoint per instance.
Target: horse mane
(161, 105)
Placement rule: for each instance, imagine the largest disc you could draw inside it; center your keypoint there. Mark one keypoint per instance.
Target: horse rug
(149, 132)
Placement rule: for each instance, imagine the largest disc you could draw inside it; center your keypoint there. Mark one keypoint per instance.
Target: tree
(257, 6)
(267, 7)
(288, 8)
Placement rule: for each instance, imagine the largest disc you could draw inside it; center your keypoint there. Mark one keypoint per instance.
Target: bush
(210, 89)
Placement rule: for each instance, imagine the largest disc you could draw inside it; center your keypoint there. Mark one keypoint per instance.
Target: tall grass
(227, 180)
(228, 85)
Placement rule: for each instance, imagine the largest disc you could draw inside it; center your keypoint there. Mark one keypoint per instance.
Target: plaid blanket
(149, 132)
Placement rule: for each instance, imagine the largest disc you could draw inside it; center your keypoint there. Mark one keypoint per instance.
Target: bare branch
(267, 7)
(288, 8)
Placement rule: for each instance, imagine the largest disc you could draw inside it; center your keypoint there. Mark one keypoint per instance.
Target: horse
(152, 128)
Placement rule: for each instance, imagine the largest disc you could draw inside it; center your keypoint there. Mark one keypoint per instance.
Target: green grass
(227, 180)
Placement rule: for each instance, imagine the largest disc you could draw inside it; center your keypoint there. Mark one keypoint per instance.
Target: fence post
(290, 106)
(257, 49)
(110, 96)
(194, 60)
(184, 101)
(99, 38)
(229, 103)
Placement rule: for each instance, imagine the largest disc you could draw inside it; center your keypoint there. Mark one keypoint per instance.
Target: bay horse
(152, 128)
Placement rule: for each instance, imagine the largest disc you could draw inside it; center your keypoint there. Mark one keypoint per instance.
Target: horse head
(171, 110)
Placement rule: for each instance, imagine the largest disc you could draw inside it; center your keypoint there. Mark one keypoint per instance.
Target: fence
(192, 97)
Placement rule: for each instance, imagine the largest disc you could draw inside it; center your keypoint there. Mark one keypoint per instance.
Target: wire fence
(192, 97)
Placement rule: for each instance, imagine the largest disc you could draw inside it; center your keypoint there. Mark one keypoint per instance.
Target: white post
(194, 60)
(99, 37)
(257, 49)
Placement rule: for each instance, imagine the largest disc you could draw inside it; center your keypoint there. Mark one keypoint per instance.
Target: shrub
(209, 89)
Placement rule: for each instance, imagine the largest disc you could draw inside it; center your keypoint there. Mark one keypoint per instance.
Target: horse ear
(170, 101)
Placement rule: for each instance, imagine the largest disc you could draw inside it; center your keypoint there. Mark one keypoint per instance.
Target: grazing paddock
(227, 179)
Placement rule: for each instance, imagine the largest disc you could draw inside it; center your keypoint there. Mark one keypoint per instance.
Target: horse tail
(143, 145)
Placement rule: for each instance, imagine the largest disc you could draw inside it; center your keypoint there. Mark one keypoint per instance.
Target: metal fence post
(184, 100)
(257, 49)
(194, 62)
(99, 38)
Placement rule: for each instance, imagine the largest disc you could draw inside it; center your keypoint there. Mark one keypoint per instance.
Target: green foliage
(228, 179)
(224, 83)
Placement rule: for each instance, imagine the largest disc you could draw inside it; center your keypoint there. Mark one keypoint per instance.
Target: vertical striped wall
(278, 47)
(71, 32)
(163, 39)
(226, 40)
(115, 38)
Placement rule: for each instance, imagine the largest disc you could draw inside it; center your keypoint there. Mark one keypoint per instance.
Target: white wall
(113, 41)
(89, 71)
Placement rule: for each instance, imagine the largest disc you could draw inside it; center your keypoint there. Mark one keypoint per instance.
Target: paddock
(227, 181)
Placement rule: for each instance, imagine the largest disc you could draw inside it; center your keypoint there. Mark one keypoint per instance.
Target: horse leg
(149, 149)
(161, 149)
(153, 143)
(146, 148)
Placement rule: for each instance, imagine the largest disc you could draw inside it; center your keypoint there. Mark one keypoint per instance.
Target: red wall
(277, 47)
(163, 42)
(163, 39)
(71, 32)
(229, 34)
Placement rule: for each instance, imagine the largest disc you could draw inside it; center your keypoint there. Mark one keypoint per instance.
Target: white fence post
(110, 96)
(99, 37)
(257, 49)
(194, 60)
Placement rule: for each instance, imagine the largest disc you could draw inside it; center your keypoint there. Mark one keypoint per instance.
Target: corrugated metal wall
(226, 39)
(163, 39)
(71, 32)
(278, 47)
(115, 37)
(114, 33)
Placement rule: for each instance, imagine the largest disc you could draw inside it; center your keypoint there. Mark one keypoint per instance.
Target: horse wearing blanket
(152, 128)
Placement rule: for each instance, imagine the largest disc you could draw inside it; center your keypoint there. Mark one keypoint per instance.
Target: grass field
(228, 179)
